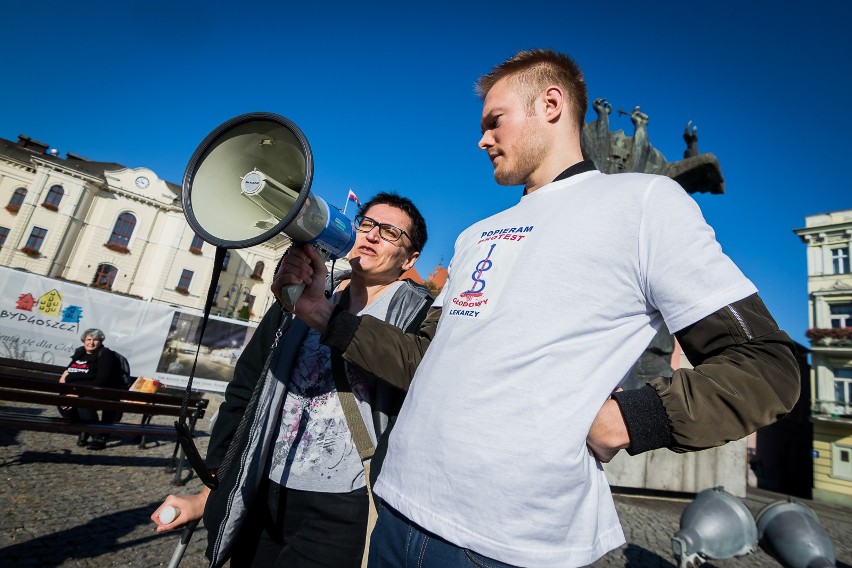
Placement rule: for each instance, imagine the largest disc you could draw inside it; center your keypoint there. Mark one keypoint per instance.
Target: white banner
(41, 319)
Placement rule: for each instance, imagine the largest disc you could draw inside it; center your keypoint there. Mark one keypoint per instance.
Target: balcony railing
(831, 408)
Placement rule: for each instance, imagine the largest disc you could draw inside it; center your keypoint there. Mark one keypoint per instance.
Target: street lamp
(235, 292)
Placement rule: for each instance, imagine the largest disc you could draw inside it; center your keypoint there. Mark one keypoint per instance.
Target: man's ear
(554, 103)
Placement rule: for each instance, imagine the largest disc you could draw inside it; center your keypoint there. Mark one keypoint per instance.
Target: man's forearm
(745, 377)
(379, 347)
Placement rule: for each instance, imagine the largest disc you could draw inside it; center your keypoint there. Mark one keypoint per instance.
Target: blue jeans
(396, 542)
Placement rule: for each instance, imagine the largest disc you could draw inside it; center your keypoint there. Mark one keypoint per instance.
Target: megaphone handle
(290, 294)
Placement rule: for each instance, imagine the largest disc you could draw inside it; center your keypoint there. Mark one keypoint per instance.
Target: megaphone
(249, 180)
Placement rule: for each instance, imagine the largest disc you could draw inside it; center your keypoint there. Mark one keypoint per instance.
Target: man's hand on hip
(608, 433)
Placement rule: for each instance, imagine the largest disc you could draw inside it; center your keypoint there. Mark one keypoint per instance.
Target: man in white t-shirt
(496, 455)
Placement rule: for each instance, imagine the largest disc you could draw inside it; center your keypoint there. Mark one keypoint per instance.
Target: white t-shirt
(547, 306)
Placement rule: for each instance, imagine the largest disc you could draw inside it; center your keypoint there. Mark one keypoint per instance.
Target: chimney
(31, 145)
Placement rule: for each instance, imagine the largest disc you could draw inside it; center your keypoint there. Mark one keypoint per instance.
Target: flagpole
(345, 205)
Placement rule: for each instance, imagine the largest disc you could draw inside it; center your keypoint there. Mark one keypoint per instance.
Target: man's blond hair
(536, 69)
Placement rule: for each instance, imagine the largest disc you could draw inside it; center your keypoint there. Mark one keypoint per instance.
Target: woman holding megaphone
(297, 428)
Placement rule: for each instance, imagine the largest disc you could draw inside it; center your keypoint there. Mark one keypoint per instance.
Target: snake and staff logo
(478, 282)
(490, 263)
(474, 297)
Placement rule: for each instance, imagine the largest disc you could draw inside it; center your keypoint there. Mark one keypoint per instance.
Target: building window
(841, 461)
(184, 282)
(4, 232)
(54, 196)
(842, 392)
(105, 276)
(17, 200)
(840, 260)
(226, 260)
(33, 246)
(216, 296)
(195, 246)
(121, 233)
(258, 271)
(841, 315)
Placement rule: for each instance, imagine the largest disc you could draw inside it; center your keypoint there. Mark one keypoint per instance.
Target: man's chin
(504, 177)
(507, 180)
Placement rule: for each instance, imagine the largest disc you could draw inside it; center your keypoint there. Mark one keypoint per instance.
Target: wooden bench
(37, 383)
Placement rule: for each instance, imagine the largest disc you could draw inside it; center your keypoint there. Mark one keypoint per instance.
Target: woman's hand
(191, 508)
(304, 266)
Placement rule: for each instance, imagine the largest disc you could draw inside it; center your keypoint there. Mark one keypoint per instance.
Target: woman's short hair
(418, 234)
(94, 332)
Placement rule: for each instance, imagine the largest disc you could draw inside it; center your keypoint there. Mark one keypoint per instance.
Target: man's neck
(578, 168)
(556, 171)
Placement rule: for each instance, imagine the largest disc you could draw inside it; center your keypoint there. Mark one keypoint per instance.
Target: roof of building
(412, 274)
(439, 276)
(26, 149)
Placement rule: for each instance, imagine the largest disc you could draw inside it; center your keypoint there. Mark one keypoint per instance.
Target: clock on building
(142, 182)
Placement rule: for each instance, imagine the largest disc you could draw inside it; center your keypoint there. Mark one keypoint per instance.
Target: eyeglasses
(388, 232)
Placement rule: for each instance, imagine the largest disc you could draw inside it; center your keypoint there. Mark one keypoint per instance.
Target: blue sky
(384, 94)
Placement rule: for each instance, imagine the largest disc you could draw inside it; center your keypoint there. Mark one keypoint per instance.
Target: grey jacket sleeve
(745, 376)
(238, 392)
(381, 348)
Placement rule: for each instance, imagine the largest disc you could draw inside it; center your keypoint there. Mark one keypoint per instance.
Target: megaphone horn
(249, 180)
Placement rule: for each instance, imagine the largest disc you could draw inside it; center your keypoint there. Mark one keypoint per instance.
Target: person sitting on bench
(92, 365)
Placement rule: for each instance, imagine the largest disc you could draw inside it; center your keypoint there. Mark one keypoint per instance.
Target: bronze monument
(615, 152)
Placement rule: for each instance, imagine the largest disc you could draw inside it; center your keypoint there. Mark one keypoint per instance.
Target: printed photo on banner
(221, 346)
(41, 320)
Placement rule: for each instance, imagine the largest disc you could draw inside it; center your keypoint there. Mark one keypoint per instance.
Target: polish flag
(353, 197)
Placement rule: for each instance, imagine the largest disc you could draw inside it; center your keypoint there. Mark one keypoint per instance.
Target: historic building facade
(121, 229)
(829, 248)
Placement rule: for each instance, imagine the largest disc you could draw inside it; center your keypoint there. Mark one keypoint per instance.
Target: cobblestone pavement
(61, 505)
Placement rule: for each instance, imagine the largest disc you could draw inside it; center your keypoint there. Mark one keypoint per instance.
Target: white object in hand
(169, 514)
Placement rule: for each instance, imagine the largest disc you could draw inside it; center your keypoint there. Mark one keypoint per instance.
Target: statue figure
(615, 152)
(690, 136)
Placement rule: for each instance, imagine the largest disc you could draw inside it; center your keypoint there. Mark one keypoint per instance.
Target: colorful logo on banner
(46, 311)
